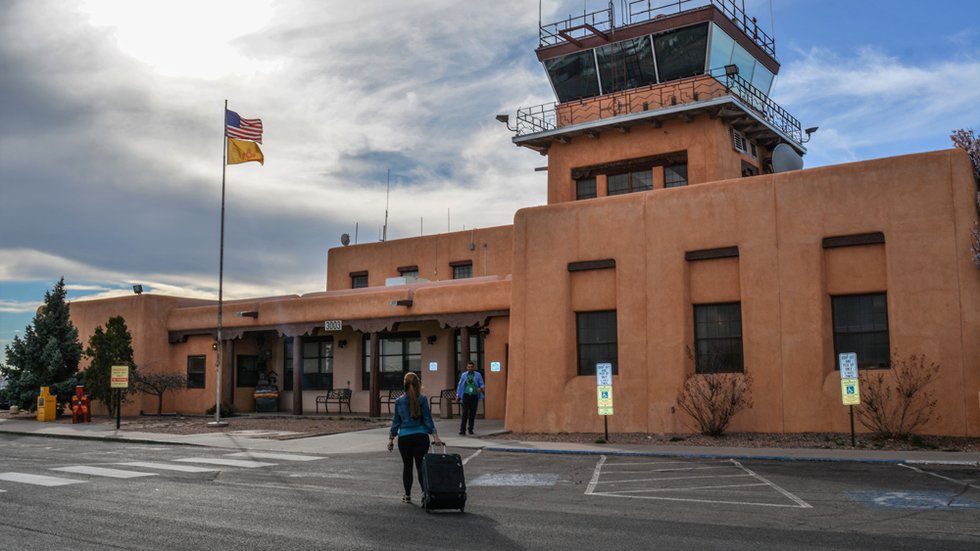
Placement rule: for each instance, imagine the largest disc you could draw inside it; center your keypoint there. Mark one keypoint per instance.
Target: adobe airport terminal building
(679, 237)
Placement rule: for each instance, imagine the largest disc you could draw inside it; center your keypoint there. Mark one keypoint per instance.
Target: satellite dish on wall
(345, 239)
(785, 158)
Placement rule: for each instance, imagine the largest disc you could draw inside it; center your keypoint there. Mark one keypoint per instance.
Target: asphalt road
(52, 498)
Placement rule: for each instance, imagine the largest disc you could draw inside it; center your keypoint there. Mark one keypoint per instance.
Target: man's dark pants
(470, 403)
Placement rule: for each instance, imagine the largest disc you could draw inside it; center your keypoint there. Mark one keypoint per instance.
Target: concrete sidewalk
(376, 440)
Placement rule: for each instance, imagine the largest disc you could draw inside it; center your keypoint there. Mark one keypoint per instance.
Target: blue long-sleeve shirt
(402, 423)
(477, 380)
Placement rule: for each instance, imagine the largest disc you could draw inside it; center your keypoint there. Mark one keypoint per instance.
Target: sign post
(849, 388)
(604, 394)
(119, 379)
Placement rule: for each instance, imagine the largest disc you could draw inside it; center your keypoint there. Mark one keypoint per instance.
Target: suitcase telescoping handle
(432, 447)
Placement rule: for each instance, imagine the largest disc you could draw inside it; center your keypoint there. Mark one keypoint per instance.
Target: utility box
(47, 405)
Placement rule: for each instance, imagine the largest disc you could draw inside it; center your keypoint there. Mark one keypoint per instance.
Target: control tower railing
(602, 22)
(552, 116)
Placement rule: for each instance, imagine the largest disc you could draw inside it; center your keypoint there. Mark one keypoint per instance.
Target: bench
(339, 396)
(392, 396)
(447, 396)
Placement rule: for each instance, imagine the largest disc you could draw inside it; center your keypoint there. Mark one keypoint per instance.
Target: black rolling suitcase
(443, 481)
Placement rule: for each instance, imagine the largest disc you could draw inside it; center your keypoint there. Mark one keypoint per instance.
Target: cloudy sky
(111, 125)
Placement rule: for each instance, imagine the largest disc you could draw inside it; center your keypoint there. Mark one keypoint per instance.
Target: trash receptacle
(266, 398)
(47, 405)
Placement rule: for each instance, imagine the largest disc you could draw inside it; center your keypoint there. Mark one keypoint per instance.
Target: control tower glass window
(745, 62)
(721, 49)
(574, 76)
(627, 64)
(681, 53)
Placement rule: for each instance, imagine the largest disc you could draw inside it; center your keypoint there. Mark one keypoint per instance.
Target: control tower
(675, 94)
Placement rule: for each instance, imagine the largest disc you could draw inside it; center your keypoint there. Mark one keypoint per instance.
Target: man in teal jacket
(469, 392)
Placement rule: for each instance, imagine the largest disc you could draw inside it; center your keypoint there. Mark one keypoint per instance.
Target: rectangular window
(675, 176)
(630, 182)
(626, 64)
(681, 53)
(247, 371)
(585, 188)
(718, 338)
(462, 270)
(196, 366)
(596, 340)
(574, 76)
(358, 280)
(861, 327)
(399, 354)
(408, 271)
(317, 363)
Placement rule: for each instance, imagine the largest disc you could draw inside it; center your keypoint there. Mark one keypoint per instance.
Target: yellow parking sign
(850, 392)
(605, 399)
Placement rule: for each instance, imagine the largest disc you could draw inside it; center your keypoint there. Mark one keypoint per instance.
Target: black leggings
(412, 447)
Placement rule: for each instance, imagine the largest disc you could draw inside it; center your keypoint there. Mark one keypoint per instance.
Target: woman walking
(412, 424)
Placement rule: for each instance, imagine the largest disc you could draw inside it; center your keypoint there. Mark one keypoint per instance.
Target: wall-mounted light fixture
(138, 289)
(214, 345)
(249, 314)
(431, 339)
(342, 343)
(731, 70)
(505, 119)
(485, 331)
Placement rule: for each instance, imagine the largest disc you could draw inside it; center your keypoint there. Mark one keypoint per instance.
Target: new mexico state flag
(242, 151)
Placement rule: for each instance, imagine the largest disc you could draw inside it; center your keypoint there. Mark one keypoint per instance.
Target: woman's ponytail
(413, 389)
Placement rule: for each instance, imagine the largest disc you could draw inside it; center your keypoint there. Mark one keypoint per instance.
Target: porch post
(375, 374)
(298, 375)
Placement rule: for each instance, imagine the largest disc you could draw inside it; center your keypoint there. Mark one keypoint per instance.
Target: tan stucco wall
(922, 204)
(708, 143)
(487, 248)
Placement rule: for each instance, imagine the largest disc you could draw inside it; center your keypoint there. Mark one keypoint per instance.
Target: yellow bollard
(46, 405)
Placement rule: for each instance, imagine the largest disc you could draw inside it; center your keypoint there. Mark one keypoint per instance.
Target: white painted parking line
(946, 478)
(683, 489)
(798, 501)
(38, 480)
(700, 483)
(515, 479)
(476, 453)
(102, 471)
(226, 462)
(672, 478)
(282, 456)
(170, 467)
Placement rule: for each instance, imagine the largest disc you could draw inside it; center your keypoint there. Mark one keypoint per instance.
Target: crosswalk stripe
(226, 462)
(282, 456)
(38, 480)
(102, 471)
(170, 467)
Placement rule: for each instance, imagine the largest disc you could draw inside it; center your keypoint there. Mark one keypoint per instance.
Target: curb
(618, 453)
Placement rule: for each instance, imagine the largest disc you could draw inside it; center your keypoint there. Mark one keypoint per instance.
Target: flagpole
(221, 268)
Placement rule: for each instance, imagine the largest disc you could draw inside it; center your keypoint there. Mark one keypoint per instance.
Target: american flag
(242, 129)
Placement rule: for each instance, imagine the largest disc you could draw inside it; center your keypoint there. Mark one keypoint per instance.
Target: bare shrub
(895, 402)
(713, 399)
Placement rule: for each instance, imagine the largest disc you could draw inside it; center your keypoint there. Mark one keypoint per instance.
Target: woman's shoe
(406, 499)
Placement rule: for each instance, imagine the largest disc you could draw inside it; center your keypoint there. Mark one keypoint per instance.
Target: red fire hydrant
(80, 411)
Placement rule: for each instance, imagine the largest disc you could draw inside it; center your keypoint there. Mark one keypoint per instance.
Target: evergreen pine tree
(48, 355)
(113, 346)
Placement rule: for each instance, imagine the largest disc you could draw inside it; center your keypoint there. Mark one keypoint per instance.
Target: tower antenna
(384, 234)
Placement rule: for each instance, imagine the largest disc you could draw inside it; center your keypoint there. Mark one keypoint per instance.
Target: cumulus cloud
(869, 99)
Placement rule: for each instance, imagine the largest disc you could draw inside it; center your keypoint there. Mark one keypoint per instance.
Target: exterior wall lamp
(138, 289)
(505, 118)
(731, 70)
(431, 339)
